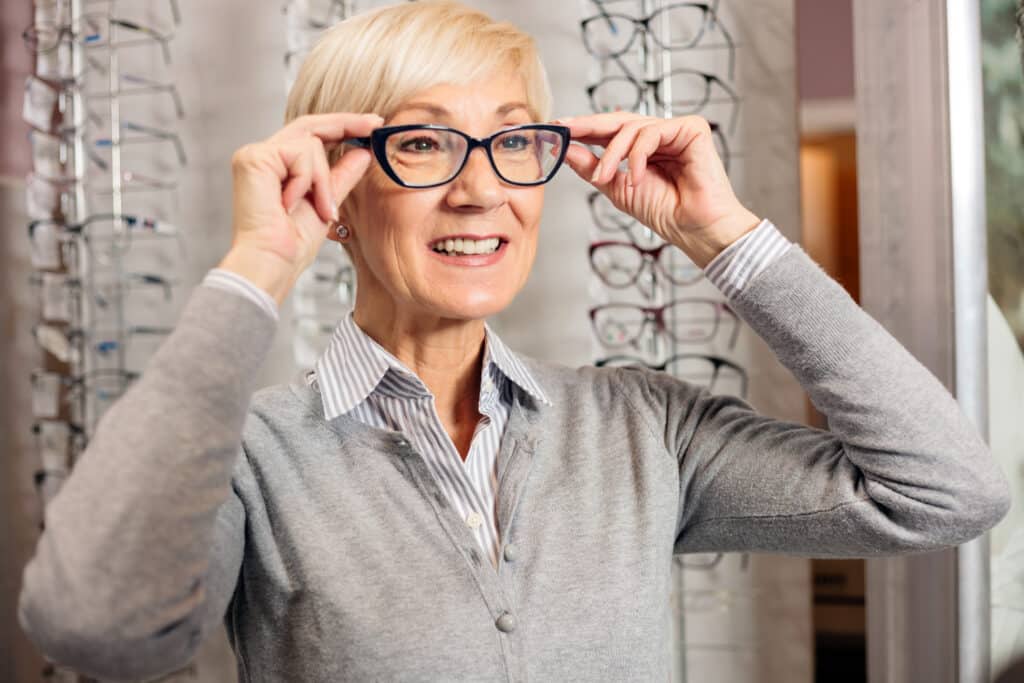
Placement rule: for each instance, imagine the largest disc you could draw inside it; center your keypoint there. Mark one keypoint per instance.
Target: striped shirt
(357, 376)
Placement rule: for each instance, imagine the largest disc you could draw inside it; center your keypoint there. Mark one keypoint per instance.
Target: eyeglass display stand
(81, 412)
(324, 293)
(654, 346)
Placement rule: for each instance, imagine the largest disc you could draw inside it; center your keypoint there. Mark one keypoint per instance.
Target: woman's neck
(445, 354)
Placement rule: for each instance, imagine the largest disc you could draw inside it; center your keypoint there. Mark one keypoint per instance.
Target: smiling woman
(425, 503)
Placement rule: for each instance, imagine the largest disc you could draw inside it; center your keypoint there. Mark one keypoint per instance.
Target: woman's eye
(515, 142)
(421, 144)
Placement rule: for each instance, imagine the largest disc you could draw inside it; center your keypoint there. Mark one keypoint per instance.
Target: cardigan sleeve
(899, 468)
(143, 543)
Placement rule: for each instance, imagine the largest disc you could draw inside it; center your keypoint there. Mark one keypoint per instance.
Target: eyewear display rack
(652, 305)
(325, 291)
(102, 264)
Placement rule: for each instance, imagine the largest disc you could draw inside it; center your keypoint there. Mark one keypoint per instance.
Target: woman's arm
(900, 469)
(143, 543)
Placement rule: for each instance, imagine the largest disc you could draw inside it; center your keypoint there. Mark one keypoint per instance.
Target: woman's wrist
(266, 270)
(703, 245)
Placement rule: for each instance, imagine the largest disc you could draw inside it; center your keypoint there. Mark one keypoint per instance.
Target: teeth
(468, 247)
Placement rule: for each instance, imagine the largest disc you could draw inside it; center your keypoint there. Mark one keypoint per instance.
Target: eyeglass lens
(619, 265)
(690, 92)
(618, 325)
(613, 34)
(423, 156)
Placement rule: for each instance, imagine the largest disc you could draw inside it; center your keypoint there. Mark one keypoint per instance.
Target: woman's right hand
(284, 196)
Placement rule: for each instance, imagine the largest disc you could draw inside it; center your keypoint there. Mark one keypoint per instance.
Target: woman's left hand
(676, 183)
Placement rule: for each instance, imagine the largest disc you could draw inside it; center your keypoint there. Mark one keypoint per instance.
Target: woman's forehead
(495, 98)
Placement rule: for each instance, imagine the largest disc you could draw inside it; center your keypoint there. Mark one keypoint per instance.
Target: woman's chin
(471, 305)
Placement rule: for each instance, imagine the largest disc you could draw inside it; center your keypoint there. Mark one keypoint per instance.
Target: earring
(342, 232)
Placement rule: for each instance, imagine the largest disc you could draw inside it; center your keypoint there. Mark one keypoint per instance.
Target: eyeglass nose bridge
(651, 317)
(473, 144)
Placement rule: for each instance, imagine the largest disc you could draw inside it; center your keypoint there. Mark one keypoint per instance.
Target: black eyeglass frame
(656, 315)
(377, 143)
(710, 19)
(649, 257)
(717, 363)
(642, 85)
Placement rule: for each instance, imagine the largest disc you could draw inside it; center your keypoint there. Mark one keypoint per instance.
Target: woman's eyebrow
(440, 112)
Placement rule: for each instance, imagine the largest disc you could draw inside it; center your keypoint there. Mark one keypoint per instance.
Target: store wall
(228, 66)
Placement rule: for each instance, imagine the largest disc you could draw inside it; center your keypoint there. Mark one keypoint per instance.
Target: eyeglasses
(690, 92)
(42, 98)
(607, 35)
(684, 321)
(619, 264)
(93, 31)
(45, 196)
(718, 375)
(422, 156)
(327, 281)
(106, 236)
(56, 11)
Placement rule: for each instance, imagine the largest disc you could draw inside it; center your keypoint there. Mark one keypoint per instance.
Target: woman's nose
(478, 185)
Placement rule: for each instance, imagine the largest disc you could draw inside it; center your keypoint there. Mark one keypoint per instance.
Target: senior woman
(426, 504)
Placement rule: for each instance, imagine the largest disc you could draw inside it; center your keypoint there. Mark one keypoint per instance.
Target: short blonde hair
(375, 60)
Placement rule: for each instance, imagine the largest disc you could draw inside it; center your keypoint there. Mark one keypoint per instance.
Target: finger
(600, 126)
(348, 170)
(581, 160)
(331, 127)
(323, 193)
(299, 163)
(616, 150)
(649, 141)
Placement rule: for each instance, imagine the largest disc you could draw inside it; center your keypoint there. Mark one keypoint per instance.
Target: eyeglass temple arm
(604, 13)
(357, 142)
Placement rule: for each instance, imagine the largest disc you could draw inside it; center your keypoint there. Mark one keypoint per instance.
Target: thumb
(347, 171)
(581, 160)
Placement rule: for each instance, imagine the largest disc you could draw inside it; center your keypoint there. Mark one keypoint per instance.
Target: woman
(427, 504)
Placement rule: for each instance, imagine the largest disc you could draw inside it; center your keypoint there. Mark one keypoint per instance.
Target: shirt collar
(353, 366)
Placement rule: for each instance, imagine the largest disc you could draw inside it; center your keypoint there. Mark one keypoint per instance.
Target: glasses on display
(325, 280)
(43, 100)
(620, 264)
(51, 153)
(718, 375)
(611, 34)
(61, 296)
(107, 237)
(50, 389)
(684, 321)
(314, 14)
(47, 197)
(94, 30)
(59, 11)
(423, 156)
(146, 134)
(691, 92)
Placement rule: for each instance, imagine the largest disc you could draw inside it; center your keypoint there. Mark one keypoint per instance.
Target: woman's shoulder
(580, 382)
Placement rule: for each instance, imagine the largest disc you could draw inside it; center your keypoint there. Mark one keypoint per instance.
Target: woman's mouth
(465, 251)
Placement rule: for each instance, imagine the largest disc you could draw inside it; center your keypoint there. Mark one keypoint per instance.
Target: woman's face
(396, 229)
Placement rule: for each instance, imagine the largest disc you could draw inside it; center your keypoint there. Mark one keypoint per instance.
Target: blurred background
(883, 135)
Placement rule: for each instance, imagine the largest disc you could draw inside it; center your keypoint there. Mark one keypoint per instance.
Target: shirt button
(474, 520)
(506, 623)
(510, 552)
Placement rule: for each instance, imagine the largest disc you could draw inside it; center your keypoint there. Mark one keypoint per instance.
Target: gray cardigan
(331, 555)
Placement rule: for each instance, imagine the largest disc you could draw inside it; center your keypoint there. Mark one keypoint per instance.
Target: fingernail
(334, 212)
(597, 173)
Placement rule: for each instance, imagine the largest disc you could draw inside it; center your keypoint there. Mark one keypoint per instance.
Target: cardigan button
(506, 623)
(510, 552)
